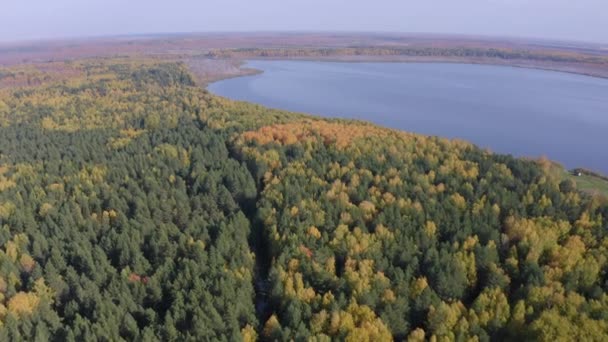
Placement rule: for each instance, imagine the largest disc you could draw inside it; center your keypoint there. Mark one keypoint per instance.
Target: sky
(581, 20)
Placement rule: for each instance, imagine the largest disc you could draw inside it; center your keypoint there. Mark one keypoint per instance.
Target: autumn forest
(136, 206)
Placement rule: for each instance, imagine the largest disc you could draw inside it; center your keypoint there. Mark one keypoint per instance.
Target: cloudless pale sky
(585, 20)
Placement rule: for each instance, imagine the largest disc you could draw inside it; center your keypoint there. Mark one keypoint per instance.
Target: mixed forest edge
(595, 65)
(135, 205)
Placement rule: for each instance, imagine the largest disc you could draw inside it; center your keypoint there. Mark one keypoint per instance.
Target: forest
(136, 206)
(503, 53)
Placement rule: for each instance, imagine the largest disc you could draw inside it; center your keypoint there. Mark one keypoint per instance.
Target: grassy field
(588, 183)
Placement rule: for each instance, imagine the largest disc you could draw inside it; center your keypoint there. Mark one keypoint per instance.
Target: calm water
(523, 112)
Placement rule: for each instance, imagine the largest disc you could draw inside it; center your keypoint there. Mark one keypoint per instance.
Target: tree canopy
(135, 205)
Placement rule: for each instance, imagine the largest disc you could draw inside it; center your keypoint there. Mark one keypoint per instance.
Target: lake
(524, 112)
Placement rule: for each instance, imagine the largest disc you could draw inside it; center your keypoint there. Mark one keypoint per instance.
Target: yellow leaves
(346, 218)
(495, 269)
(459, 201)
(319, 322)
(492, 307)
(554, 325)
(418, 286)
(355, 181)
(5, 183)
(48, 123)
(466, 259)
(388, 296)
(370, 331)
(564, 258)
(358, 323)
(442, 319)
(463, 168)
(271, 158)
(470, 242)
(43, 291)
(57, 187)
(314, 232)
(544, 202)
(3, 107)
(539, 234)
(249, 334)
(285, 134)
(11, 250)
(503, 171)
(27, 263)
(417, 335)
(27, 171)
(358, 242)
(293, 265)
(395, 181)
(191, 241)
(241, 273)
(340, 321)
(271, 326)
(479, 205)
(336, 171)
(387, 199)
(293, 283)
(85, 106)
(430, 228)
(369, 210)
(383, 233)
(328, 299)
(131, 132)
(13, 280)
(340, 232)
(589, 271)
(338, 191)
(328, 133)
(496, 209)
(528, 198)
(542, 296)
(6, 209)
(168, 150)
(552, 170)
(45, 208)
(585, 222)
(359, 275)
(126, 136)
(90, 175)
(23, 304)
(519, 313)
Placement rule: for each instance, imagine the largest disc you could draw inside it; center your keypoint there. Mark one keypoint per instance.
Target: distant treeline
(468, 52)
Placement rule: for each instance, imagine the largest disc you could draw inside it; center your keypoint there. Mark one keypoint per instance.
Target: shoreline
(377, 59)
(248, 71)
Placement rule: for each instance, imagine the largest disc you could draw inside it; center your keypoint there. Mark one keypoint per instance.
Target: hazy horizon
(545, 19)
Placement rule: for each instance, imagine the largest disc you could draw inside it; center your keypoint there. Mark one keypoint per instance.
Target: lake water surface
(517, 111)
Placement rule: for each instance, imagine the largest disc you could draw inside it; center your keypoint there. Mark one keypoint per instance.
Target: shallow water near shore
(524, 112)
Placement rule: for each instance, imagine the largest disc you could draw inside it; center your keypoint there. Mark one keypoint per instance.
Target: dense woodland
(414, 51)
(136, 206)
